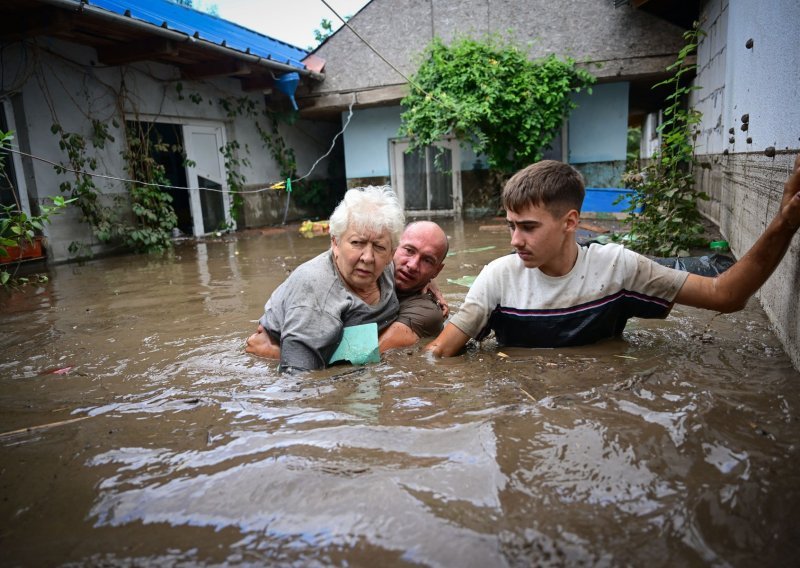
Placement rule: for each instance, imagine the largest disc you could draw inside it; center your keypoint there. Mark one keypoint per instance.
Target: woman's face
(362, 256)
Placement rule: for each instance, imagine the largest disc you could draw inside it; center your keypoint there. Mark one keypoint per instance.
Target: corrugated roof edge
(204, 26)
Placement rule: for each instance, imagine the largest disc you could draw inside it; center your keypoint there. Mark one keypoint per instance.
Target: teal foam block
(359, 345)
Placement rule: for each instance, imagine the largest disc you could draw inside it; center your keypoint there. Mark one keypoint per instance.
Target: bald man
(418, 259)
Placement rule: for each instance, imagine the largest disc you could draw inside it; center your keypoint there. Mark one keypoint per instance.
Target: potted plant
(18, 238)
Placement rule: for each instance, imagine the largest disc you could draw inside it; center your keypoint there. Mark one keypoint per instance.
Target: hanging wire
(408, 79)
(277, 185)
(333, 142)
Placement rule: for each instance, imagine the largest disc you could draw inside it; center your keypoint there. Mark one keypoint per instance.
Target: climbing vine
(278, 149)
(81, 187)
(18, 229)
(312, 194)
(149, 225)
(492, 98)
(150, 230)
(235, 179)
(664, 219)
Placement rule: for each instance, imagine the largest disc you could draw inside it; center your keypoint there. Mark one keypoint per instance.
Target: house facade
(749, 79)
(368, 61)
(79, 80)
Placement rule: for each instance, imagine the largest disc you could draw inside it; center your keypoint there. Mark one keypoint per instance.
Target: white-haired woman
(350, 284)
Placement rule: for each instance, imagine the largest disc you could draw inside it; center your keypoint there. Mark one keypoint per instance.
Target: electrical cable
(408, 79)
(276, 185)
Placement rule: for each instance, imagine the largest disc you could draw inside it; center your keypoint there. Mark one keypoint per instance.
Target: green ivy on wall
(492, 98)
(664, 219)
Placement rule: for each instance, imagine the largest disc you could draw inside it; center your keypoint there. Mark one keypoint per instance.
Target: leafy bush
(492, 98)
(17, 228)
(669, 223)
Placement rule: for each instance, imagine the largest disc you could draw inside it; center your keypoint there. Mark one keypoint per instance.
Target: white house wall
(745, 178)
(61, 82)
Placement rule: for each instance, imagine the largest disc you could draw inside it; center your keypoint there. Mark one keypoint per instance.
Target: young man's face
(542, 240)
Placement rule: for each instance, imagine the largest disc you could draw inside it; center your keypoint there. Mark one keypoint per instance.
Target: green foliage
(274, 142)
(669, 223)
(236, 180)
(324, 31)
(492, 98)
(153, 215)
(149, 227)
(17, 228)
(82, 189)
(632, 151)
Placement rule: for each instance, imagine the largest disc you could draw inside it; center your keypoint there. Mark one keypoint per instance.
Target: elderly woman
(350, 284)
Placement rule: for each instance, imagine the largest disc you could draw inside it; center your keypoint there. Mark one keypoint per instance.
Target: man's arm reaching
(396, 335)
(449, 343)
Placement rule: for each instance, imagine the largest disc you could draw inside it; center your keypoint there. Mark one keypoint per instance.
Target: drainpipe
(180, 37)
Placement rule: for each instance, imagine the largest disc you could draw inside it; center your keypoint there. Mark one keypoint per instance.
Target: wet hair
(371, 208)
(553, 185)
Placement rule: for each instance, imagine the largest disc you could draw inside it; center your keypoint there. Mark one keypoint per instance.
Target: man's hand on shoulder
(432, 289)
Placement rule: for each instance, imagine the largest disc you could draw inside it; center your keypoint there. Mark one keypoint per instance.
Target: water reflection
(677, 444)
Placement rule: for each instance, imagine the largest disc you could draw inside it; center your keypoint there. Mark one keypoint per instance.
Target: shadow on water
(136, 432)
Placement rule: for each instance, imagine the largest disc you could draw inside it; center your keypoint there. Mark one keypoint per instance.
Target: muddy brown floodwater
(134, 431)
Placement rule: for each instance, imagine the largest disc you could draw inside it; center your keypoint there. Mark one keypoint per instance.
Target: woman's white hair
(371, 208)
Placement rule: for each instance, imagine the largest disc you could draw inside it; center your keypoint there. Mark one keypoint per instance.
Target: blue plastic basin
(601, 200)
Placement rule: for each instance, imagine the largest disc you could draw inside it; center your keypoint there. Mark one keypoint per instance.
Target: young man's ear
(571, 220)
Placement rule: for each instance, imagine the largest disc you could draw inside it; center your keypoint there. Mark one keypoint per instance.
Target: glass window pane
(441, 178)
(415, 191)
(212, 204)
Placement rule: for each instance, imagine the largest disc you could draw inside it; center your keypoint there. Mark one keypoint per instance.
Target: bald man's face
(419, 256)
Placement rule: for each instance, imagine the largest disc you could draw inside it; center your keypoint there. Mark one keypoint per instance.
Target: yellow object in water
(314, 228)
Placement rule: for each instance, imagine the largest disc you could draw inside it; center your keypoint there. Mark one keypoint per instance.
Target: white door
(427, 180)
(209, 198)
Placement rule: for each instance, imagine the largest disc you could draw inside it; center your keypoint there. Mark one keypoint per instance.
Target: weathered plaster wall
(60, 82)
(746, 185)
(621, 40)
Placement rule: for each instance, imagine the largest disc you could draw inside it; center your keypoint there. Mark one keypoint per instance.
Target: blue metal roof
(204, 26)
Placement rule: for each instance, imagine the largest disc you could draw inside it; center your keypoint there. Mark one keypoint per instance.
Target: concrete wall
(746, 185)
(619, 40)
(58, 82)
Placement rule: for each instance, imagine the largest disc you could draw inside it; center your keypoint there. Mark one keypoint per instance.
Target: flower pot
(28, 250)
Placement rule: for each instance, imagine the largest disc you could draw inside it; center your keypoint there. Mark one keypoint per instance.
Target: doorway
(195, 168)
(205, 172)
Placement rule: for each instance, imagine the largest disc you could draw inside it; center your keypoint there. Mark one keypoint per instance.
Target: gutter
(179, 37)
